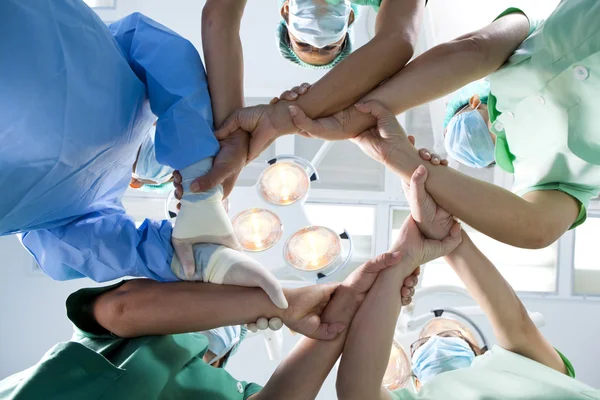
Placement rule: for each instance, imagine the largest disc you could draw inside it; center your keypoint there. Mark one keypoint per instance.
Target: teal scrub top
(96, 365)
(544, 104)
(501, 374)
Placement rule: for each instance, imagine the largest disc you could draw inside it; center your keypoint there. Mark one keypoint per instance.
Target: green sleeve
(568, 365)
(583, 196)
(81, 313)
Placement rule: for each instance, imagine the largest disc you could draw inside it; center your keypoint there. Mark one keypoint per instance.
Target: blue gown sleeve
(104, 245)
(174, 75)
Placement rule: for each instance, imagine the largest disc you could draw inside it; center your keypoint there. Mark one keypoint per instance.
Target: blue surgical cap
(286, 50)
(461, 98)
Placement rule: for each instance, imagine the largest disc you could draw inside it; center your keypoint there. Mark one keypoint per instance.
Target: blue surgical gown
(77, 99)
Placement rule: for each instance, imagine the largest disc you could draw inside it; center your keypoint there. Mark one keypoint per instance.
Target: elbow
(400, 44)
(474, 47)
(113, 312)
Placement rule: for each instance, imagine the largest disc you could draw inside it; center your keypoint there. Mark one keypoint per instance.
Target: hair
(286, 50)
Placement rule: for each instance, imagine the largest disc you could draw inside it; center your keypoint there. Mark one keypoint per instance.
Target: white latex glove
(202, 218)
(222, 265)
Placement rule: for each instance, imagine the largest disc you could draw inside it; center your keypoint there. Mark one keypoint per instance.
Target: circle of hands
(428, 233)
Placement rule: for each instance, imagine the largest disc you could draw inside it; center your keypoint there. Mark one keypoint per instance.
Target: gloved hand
(202, 219)
(222, 265)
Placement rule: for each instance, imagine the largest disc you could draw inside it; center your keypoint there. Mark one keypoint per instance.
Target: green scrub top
(97, 365)
(501, 374)
(544, 105)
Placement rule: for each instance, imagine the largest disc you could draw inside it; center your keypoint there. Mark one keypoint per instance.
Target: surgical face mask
(147, 168)
(319, 25)
(441, 354)
(468, 140)
(222, 340)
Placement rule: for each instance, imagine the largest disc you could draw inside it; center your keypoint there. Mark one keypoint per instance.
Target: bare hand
(227, 166)
(264, 122)
(434, 221)
(383, 142)
(419, 249)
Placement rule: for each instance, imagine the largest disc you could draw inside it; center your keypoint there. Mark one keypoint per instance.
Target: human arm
(534, 221)
(142, 307)
(103, 246)
(513, 328)
(363, 366)
(437, 72)
(172, 71)
(302, 373)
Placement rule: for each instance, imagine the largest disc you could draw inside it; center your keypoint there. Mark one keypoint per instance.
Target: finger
(302, 122)
(275, 324)
(417, 194)
(327, 331)
(177, 178)
(406, 301)
(417, 272)
(289, 95)
(444, 162)
(383, 261)
(262, 324)
(424, 154)
(386, 120)
(435, 159)
(306, 85)
(274, 100)
(410, 282)
(229, 184)
(179, 206)
(213, 178)
(229, 126)
(185, 253)
(252, 327)
(178, 192)
(407, 292)
(411, 139)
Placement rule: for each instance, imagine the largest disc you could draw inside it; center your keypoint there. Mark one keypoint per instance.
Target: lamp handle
(343, 235)
(314, 175)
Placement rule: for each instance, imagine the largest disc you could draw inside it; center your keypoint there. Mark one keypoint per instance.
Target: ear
(475, 101)
(285, 10)
(135, 184)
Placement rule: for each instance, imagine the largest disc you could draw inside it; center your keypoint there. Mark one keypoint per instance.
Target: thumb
(214, 177)
(452, 241)
(273, 289)
(417, 193)
(386, 121)
(230, 125)
(302, 122)
(185, 253)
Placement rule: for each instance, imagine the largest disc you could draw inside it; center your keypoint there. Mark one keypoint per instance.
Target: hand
(303, 314)
(426, 155)
(361, 280)
(384, 142)
(264, 122)
(327, 128)
(227, 165)
(420, 250)
(433, 221)
(292, 94)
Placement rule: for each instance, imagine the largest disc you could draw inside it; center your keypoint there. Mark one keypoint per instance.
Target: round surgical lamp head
(313, 248)
(286, 180)
(257, 229)
(398, 372)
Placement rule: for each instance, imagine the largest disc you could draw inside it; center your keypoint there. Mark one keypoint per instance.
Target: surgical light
(398, 371)
(257, 229)
(313, 248)
(283, 183)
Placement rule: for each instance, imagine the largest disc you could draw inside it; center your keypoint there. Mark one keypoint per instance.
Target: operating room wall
(32, 319)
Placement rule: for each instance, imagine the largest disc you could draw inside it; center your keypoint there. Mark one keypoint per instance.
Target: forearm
(304, 370)
(363, 366)
(223, 56)
(144, 307)
(490, 209)
(513, 328)
(397, 28)
(444, 69)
